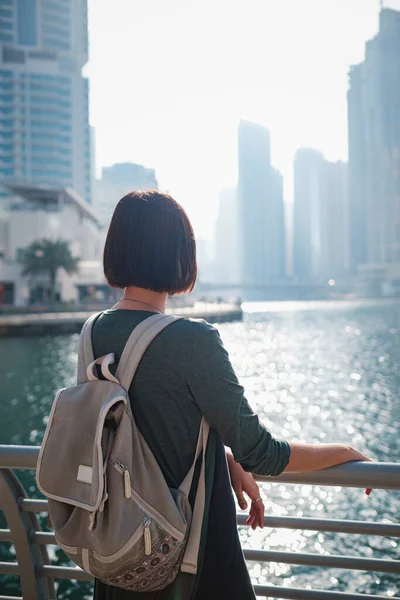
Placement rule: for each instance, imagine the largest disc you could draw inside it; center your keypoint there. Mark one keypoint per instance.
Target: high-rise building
(226, 258)
(261, 222)
(44, 128)
(308, 165)
(374, 152)
(320, 249)
(130, 176)
(118, 180)
(334, 221)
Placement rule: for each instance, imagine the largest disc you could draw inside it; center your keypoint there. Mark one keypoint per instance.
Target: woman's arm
(309, 457)
(303, 457)
(216, 391)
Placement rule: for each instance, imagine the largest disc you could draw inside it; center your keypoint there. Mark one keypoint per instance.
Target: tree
(47, 257)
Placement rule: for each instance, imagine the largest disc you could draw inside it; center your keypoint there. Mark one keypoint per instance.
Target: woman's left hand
(244, 483)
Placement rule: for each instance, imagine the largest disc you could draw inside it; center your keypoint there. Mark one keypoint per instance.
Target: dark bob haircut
(150, 244)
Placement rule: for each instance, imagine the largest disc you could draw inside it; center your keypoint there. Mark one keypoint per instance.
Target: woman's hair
(150, 244)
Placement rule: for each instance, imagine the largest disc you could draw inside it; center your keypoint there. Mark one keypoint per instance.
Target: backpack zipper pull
(127, 483)
(127, 479)
(147, 538)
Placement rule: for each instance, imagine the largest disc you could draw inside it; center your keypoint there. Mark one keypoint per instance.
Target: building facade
(118, 180)
(308, 165)
(260, 209)
(44, 128)
(52, 214)
(226, 254)
(374, 154)
(320, 248)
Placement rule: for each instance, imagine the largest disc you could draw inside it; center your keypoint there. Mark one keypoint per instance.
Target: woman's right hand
(310, 457)
(362, 457)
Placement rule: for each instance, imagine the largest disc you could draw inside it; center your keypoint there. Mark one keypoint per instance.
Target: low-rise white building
(41, 212)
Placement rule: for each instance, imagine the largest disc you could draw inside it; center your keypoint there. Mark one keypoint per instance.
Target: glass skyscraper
(44, 128)
(260, 209)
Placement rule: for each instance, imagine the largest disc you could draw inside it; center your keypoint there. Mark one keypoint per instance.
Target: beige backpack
(111, 508)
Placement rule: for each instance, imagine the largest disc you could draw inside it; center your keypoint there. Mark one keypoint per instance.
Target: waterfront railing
(37, 573)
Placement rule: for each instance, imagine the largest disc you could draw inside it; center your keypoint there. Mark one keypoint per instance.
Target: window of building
(11, 55)
(54, 43)
(48, 112)
(43, 55)
(20, 254)
(62, 20)
(6, 171)
(27, 22)
(49, 125)
(56, 32)
(6, 13)
(57, 6)
(6, 25)
(7, 122)
(40, 160)
(50, 137)
(6, 37)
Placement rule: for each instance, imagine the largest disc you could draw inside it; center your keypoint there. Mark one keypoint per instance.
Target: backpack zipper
(127, 479)
(147, 536)
(162, 522)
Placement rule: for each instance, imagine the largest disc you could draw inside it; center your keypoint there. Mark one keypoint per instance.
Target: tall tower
(374, 151)
(261, 209)
(320, 248)
(44, 128)
(308, 164)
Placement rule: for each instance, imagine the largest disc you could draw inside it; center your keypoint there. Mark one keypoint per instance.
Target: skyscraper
(334, 221)
(374, 151)
(44, 129)
(308, 165)
(261, 222)
(130, 176)
(118, 180)
(226, 261)
(320, 250)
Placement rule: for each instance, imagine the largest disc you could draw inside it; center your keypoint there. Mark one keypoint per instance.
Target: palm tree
(48, 256)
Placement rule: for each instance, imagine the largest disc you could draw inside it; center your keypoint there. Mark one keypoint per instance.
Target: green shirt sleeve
(219, 396)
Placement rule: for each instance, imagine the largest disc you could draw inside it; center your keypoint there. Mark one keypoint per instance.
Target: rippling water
(327, 373)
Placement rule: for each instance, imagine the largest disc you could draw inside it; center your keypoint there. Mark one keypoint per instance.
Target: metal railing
(37, 574)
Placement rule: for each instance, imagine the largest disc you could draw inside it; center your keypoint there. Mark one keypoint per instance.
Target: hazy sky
(170, 80)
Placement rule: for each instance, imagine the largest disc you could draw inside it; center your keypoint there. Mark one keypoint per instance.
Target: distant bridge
(203, 286)
(278, 291)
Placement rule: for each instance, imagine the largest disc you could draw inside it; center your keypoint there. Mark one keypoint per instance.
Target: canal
(324, 373)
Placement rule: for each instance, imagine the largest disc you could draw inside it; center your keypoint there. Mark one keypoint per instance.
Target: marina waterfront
(314, 372)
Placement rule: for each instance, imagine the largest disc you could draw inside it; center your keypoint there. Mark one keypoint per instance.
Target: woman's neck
(135, 298)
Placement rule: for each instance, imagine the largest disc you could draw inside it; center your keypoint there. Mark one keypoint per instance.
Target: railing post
(30, 555)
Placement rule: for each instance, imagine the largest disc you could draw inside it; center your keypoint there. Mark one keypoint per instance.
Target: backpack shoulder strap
(135, 347)
(191, 555)
(137, 344)
(85, 353)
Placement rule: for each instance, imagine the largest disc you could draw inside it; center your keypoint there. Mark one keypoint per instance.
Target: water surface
(325, 373)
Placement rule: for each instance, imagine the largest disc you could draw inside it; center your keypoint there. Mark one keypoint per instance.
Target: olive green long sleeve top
(186, 373)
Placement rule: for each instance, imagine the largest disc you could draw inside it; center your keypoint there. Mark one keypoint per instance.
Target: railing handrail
(378, 475)
(35, 570)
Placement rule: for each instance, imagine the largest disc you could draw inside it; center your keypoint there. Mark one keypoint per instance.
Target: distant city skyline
(178, 110)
